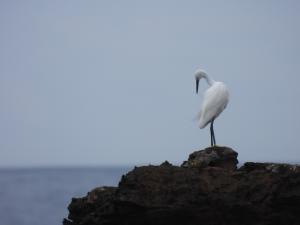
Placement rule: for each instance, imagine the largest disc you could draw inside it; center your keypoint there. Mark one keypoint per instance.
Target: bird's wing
(214, 102)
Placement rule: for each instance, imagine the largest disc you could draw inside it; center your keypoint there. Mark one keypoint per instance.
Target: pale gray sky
(112, 82)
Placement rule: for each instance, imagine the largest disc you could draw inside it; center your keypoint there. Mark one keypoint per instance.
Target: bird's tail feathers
(198, 116)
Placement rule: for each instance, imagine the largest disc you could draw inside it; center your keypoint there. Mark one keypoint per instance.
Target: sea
(40, 196)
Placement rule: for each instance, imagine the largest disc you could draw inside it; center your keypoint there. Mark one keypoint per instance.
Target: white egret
(215, 100)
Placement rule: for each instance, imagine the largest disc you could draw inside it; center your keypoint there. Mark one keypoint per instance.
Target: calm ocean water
(41, 196)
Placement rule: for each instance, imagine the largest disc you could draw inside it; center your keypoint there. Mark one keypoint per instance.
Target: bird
(215, 100)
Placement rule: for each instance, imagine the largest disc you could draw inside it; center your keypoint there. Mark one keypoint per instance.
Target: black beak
(197, 85)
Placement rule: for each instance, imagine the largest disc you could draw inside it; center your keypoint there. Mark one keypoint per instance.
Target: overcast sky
(112, 82)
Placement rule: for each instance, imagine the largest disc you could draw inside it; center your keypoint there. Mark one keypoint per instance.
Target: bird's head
(198, 75)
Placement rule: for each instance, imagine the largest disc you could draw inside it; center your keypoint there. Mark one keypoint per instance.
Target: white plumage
(215, 100)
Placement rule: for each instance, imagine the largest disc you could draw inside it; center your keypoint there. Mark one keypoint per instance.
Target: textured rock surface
(217, 156)
(206, 190)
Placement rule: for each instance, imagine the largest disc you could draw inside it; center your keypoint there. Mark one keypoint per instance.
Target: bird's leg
(213, 132)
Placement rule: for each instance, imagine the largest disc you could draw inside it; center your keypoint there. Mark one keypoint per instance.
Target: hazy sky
(112, 82)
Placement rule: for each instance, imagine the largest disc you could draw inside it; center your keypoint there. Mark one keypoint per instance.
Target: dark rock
(166, 163)
(216, 156)
(212, 193)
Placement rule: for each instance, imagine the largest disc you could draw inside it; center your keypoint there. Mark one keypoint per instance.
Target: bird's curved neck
(209, 80)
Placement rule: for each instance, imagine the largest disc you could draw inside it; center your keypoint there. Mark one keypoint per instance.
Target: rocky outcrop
(207, 189)
(214, 157)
